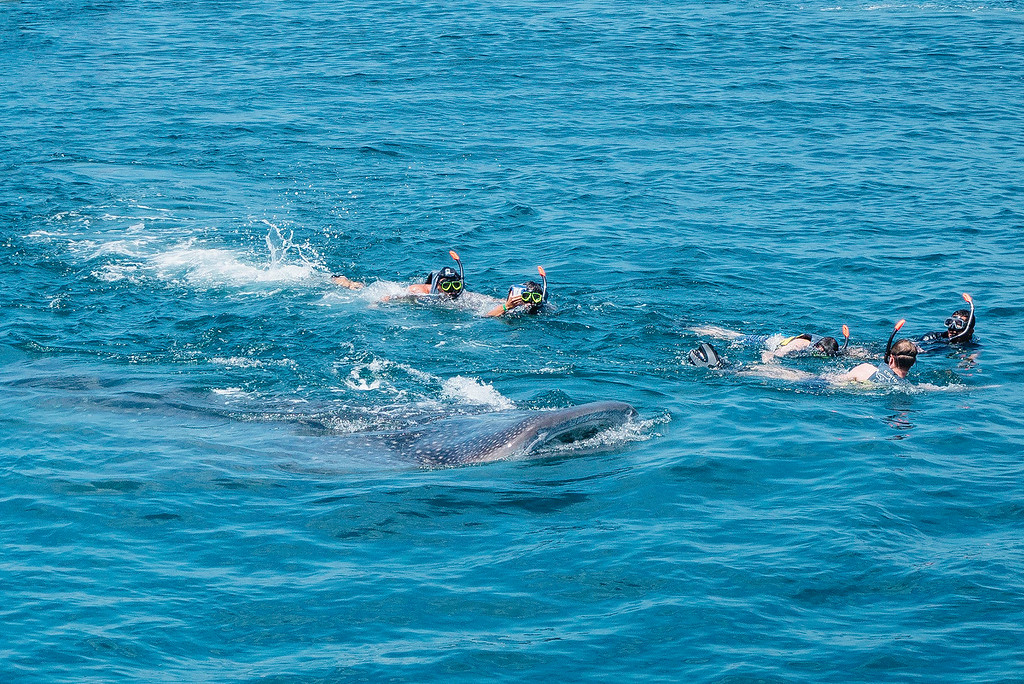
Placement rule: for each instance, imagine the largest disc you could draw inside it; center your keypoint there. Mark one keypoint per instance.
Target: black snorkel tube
(544, 287)
(846, 334)
(888, 345)
(970, 320)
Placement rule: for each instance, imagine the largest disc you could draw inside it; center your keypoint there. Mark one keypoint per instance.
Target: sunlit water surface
(179, 374)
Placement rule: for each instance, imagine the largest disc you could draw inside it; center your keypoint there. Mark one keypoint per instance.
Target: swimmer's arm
(348, 282)
(414, 292)
(510, 303)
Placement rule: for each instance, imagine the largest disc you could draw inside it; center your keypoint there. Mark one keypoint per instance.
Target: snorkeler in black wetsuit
(959, 330)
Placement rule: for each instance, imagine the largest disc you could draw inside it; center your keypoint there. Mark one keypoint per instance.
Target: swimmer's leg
(776, 372)
(717, 332)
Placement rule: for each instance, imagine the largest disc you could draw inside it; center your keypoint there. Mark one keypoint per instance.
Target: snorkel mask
(826, 346)
(956, 323)
(829, 346)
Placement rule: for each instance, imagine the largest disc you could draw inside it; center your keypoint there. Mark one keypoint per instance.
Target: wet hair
(966, 315)
(827, 346)
(903, 354)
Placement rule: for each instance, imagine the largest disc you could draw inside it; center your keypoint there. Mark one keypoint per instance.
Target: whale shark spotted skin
(507, 434)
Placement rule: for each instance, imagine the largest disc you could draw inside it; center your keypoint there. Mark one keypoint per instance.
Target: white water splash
(473, 391)
(248, 362)
(613, 437)
(139, 251)
(213, 267)
(356, 381)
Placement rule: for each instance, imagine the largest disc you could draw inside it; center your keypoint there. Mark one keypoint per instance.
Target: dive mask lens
(451, 286)
(532, 297)
(956, 323)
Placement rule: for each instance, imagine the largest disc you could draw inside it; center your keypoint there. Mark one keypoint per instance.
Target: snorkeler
(778, 345)
(446, 283)
(898, 360)
(959, 330)
(801, 345)
(531, 294)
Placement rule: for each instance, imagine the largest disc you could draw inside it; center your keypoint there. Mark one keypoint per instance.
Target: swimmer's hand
(512, 302)
(347, 282)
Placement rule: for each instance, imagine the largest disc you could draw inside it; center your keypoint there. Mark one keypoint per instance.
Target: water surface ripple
(180, 180)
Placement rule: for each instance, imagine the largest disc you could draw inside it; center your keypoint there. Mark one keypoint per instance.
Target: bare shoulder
(859, 373)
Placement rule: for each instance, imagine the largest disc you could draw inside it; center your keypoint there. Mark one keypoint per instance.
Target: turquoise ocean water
(180, 377)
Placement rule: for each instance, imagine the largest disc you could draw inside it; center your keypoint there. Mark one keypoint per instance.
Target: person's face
(451, 288)
(532, 299)
(955, 325)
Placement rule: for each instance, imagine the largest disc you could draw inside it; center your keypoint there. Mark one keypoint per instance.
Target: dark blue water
(181, 382)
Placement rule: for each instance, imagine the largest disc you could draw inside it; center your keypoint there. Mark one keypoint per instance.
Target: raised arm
(512, 302)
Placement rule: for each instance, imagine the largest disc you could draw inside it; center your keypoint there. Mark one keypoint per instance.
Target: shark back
(495, 436)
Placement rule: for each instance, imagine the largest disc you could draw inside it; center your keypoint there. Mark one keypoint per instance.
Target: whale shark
(486, 437)
(505, 434)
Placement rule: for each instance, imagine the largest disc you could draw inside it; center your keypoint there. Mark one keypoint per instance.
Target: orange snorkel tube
(453, 255)
(544, 287)
(846, 334)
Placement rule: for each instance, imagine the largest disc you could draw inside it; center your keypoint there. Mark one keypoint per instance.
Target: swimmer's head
(827, 346)
(532, 294)
(960, 326)
(903, 354)
(448, 282)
